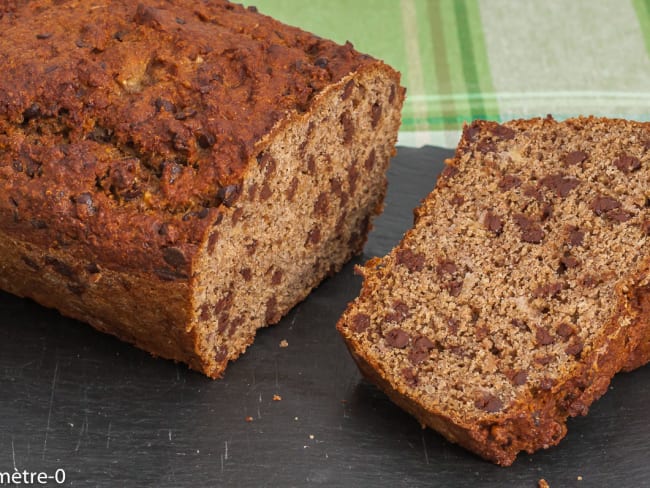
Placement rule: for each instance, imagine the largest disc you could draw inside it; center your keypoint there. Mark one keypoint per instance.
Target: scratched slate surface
(110, 415)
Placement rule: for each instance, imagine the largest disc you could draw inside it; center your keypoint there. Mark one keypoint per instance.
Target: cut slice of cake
(522, 288)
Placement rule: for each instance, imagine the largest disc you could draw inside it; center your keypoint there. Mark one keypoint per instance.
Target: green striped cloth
(494, 59)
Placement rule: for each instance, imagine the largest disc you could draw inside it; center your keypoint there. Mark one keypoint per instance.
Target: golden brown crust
(144, 116)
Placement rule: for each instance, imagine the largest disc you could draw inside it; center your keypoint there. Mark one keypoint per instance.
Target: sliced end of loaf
(521, 289)
(304, 209)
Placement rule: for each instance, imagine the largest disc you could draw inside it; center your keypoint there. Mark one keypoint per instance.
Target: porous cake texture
(181, 173)
(522, 288)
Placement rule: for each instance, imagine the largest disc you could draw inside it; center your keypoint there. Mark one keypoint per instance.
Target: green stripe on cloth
(642, 8)
(454, 67)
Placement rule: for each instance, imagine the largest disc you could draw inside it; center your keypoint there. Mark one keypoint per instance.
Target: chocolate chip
(291, 191)
(520, 324)
(206, 140)
(360, 322)
(548, 290)
(265, 192)
(397, 338)
(531, 232)
(375, 115)
(576, 236)
(44, 35)
(489, 403)
(164, 104)
(321, 205)
(546, 211)
(486, 146)
(400, 312)
(313, 236)
(229, 194)
(543, 360)
(494, 223)
(603, 203)
(167, 274)
(276, 279)
(520, 378)
(321, 62)
(423, 343)
(627, 164)
(502, 132)
(414, 262)
(416, 356)
(347, 90)
(575, 157)
(452, 325)
(565, 331)
(174, 257)
(271, 315)
(348, 127)
(645, 227)
(31, 263)
(60, 267)
(454, 287)
(457, 200)
(410, 376)
(391, 95)
(568, 262)
(619, 215)
(559, 183)
(543, 337)
(575, 348)
(446, 267)
(534, 192)
(471, 131)
(246, 273)
(369, 163)
(508, 182)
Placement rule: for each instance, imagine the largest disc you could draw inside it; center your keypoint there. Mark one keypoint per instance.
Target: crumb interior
(304, 209)
(513, 266)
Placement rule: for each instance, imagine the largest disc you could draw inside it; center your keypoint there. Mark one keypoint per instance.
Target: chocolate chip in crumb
(575, 348)
(410, 377)
(502, 132)
(454, 288)
(375, 115)
(457, 200)
(397, 338)
(348, 127)
(360, 322)
(627, 164)
(520, 378)
(486, 146)
(543, 337)
(645, 227)
(228, 194)
(575, 157)
(446, 267)
(414, 262)
(619, 215)
(508, 182)
(276, 279)
(560, 184)
(174, 257)
(347, 90)
(565, 331)
(494, 223)
(489, 403)
(576, 236)
(602, 204)
(531, 232)
(569, 262)
(369, 163)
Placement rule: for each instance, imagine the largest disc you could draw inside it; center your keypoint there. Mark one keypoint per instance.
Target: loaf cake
(522, 287)
(181, 173)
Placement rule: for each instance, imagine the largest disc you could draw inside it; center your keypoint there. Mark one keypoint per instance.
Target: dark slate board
(111, 415)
